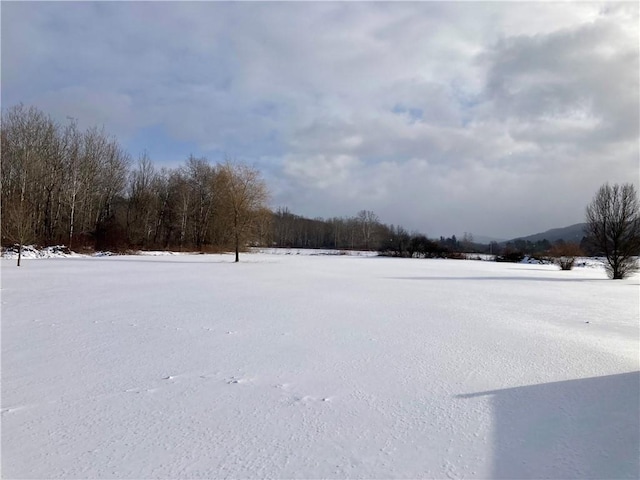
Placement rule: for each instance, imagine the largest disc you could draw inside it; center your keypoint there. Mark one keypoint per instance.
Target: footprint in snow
(295, 399)
(308, 399)
(237, 381)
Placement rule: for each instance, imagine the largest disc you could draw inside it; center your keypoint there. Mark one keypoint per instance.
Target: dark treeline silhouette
(360, 232)
(364, 231)
(541, 248)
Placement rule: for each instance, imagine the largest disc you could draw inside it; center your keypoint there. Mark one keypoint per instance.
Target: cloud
(566, 77)
(320, 171)
(494, 118)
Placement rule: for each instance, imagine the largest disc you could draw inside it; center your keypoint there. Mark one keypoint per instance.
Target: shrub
(564, 254)
(513, 256)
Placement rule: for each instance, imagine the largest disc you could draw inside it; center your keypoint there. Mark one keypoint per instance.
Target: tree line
(612, 231)
(360, 232)
(80, 188)
(65, 186)
(363, 231)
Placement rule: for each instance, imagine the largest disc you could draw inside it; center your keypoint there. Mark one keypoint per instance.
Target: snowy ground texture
(316, 366)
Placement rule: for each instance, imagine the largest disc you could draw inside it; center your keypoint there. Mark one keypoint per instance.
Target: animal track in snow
(283, 386)
(298, 399)
(309, 399)
(236, 380)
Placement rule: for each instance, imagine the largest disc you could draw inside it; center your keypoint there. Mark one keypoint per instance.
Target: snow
(316, 366)
(314, 251)
(31, 251)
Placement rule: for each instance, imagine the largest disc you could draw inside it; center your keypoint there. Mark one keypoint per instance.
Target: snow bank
(31, 251)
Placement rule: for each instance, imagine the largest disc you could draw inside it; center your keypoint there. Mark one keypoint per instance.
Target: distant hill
(572, 233)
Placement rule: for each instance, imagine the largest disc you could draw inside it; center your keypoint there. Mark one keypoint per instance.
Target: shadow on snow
(587, 428)
(508, 278)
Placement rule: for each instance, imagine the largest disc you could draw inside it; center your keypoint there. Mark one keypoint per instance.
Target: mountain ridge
(571, 233)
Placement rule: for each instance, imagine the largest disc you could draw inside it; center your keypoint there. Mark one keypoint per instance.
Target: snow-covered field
(325, 366)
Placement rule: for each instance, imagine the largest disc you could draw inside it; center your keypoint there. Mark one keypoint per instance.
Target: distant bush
(514, 256)
(564, 255)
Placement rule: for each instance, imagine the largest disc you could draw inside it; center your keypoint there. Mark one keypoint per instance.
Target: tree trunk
(237, 235)
(71, 220)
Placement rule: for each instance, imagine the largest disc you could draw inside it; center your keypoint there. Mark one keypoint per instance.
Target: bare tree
(26, 142)
(142, 203)
(613, 223)
(283, 226)
(245, 197)
(263, 229)
(73, 179)
(467, 242)
(17, 221)
(111, 181)
(337, 226)
(180, 199)
(163, 220)
(368, 221)
(83, 173)
(50, 174)
(201, 181)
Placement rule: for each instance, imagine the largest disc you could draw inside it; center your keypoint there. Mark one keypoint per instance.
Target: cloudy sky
(498, 119)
